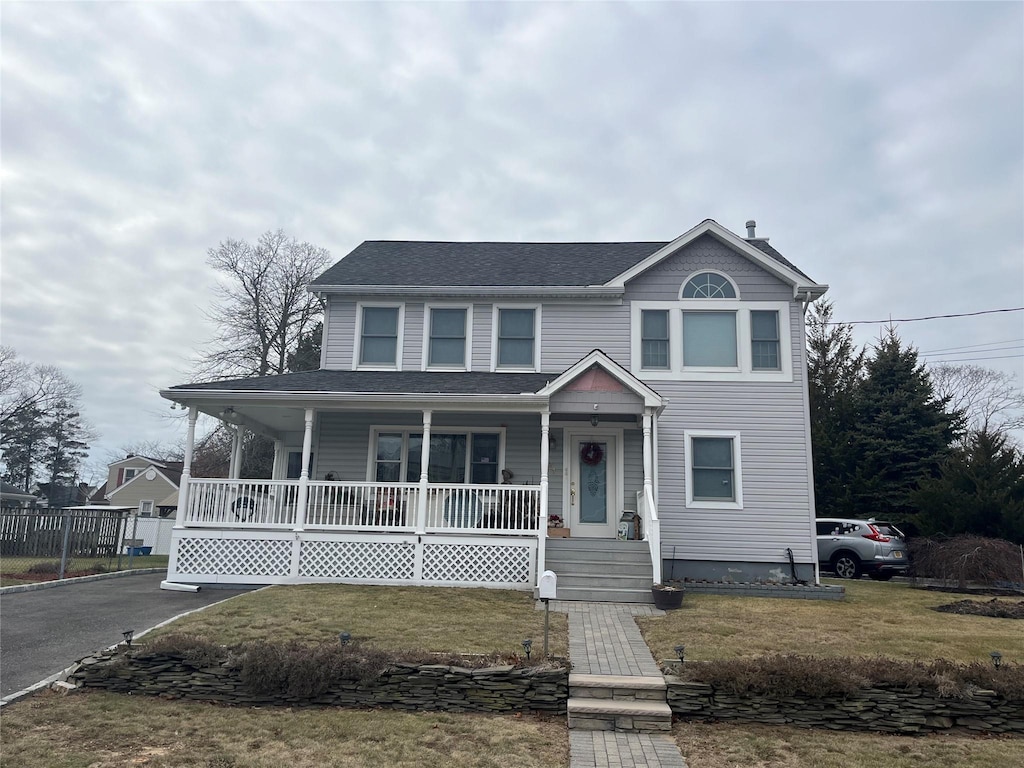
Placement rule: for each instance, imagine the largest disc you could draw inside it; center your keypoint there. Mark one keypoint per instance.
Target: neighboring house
(663, 379)
(11, 496)
(147, 485)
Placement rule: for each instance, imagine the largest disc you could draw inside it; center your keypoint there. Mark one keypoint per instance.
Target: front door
(593, 501)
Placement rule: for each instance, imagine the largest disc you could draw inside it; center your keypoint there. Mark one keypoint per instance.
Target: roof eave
(471, 291)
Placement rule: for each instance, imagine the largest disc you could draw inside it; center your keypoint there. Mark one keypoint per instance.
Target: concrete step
(606, 569)
(602, 581)
(590, 559)
(599, 545)
(614, 715)
(605, 594)
(617, 687)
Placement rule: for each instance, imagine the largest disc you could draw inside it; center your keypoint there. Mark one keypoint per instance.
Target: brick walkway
(605, 640)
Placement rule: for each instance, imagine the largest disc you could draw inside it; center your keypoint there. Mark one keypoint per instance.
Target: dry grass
(875, 619)
(103, 730)
(15, 570)
(398, 618)
(761, 746)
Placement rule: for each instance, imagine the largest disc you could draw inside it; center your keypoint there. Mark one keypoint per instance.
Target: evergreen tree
(23, 443)
(980, 491)
(306, 356)
(835, 371)
(65, 447)
(902, 433)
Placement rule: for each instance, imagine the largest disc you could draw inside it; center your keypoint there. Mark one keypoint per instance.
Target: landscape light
(681, 653)
(345, 638)
(997, 659)
(527, 646)
(128, 635)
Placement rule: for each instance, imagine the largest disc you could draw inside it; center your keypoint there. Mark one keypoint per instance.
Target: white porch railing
(454, 508)
(651, 527)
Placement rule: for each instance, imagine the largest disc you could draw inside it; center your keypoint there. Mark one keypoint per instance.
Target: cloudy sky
(880, 146)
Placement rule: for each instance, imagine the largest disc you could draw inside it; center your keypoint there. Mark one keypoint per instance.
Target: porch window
(379, 343)
(447, 338)
(654, 338)
(515, 338)
(389, 458)
(709, 339)
(764, 340)
(453, 457)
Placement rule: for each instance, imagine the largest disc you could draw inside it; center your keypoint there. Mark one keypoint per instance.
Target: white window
(515, 338)
(455, 457)
(713, 478)
(447, 336)
(709, 285)
(654, 339)
(379, 334)
(764, 340)
(709, 340)
(129, 473)
(146, 508)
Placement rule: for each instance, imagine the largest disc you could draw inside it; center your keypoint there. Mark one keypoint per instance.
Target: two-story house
(471, 393)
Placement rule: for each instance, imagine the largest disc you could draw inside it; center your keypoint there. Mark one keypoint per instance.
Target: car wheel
(846, 566)
(882, 576)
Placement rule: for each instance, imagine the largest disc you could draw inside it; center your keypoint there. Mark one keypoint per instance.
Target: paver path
(604, 640)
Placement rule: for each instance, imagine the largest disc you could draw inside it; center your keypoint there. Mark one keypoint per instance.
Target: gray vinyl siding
(633, 467)
(155, 490)
(482, 337)
(664, 281)
(341, 330)
(571, 331)
(412, 344)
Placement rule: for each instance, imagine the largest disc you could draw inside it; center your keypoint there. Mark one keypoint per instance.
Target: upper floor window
(709, 339)
(379, 342)
(708, 285)
(129, 473)
(516, 338)
(447, 338)
(654, 338)
(764, 340)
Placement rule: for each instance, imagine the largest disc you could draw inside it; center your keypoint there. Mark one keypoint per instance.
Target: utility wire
(970, 352)
(973, 359)
(970, 346)
(930, 317)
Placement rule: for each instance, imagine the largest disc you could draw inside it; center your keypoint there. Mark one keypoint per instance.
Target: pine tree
(902, 433)
(23, 444)
(306, 356)
(65, 447)
(835, 371)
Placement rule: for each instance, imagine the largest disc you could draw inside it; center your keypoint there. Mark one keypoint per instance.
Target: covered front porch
(424, 488)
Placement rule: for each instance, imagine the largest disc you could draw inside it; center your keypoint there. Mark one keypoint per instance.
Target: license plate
(897, 555)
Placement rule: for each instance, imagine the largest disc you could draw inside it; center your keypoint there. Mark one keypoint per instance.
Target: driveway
(47, 630)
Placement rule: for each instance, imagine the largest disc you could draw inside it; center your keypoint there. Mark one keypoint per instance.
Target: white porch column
(235, 469)
(648, 454)
(307, 449)
(542, 519)
(186, 468)
(421, 501)
(276, 473)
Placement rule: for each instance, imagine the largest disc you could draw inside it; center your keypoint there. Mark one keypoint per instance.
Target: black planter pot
(667, 599)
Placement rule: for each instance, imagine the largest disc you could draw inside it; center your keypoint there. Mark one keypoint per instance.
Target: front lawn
(875, 619)
(398, 618)
(28, 570)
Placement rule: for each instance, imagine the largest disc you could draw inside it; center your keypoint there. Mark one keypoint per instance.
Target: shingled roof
(436, 264)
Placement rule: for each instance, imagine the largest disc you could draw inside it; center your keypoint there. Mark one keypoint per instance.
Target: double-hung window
(654, 339)
(378, 344)
(454, 456)
(714, 469)
(447, 346)
(516, 338)
(764, 340)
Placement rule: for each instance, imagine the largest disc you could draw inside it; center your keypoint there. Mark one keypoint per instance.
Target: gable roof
(601, 360)
(399, 264)
(173, 478)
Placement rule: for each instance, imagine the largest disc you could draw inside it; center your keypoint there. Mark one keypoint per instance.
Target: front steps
(618, 703)
(601, 570)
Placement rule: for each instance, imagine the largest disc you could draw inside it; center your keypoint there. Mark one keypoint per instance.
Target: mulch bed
(997, 609)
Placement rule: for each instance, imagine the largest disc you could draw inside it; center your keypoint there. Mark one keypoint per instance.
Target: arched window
(708, 285)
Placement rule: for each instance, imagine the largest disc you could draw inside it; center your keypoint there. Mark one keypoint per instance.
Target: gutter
(472, 291)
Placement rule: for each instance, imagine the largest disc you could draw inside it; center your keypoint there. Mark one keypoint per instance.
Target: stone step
(605, 595)
(614, 715)
(617, 687)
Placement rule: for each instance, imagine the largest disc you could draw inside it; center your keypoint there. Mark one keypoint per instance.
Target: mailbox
(548, 584)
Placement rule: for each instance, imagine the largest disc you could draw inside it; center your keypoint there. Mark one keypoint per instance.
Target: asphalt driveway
(47, 630)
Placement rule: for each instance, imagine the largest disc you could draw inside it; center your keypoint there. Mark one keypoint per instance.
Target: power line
(929, 317)
(970, 352)
(973, 359)
(970, 346)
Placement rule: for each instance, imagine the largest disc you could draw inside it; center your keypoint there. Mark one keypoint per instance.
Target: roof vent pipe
(750, 229)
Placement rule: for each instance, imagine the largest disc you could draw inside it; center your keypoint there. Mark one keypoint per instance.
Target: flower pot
(667, 598)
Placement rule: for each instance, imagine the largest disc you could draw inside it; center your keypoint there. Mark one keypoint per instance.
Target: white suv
(850, 548)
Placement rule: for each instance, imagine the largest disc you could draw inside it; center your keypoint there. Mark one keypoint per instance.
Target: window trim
(427, 324)
(152, 508)
(744, 354)
(727, 278)
(537, 335)
(357, 348)
(136, 471)
(737, 469)
(435, 429)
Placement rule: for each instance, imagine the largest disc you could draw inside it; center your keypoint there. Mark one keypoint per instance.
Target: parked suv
(849, 548)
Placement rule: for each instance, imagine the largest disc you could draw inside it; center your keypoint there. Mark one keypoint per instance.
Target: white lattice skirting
(266, 557)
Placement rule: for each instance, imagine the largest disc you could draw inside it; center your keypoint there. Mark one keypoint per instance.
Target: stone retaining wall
(754, 589)
(405, 686)
(873, 709)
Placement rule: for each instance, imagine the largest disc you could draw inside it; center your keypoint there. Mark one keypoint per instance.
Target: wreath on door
(591, 454)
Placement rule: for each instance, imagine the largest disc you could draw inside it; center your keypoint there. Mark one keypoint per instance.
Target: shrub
(45, 567)
(790, 675)
(962, 559)
(193, 648)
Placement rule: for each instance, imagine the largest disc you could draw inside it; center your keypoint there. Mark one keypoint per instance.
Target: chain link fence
(41, 545)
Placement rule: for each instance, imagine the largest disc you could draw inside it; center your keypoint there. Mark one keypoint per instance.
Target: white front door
(593, 489)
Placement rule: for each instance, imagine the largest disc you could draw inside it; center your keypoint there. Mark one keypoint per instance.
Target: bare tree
(263, 307)
(991, 401)
(25, 386)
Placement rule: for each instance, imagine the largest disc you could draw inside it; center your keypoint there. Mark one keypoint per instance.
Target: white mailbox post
(548, 591)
